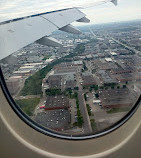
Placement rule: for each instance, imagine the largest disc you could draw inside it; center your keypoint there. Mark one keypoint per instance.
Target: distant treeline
(80, 48)
(126, 29)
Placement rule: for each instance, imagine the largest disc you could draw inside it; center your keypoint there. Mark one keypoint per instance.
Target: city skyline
(125, 11)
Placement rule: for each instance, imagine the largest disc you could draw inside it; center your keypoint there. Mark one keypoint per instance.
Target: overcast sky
(106, 12)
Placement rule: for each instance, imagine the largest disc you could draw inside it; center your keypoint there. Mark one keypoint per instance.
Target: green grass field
(116, 110)
(28, 105)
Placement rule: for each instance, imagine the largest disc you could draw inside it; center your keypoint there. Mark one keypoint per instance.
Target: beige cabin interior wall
(18, 140)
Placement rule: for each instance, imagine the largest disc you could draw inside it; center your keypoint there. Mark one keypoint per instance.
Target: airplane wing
(18, 33)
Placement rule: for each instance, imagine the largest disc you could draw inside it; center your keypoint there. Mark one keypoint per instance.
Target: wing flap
(49, 41)
(70, 29)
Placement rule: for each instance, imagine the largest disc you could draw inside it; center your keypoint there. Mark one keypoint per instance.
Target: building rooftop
(128, 76)
(15, 77)
(88, 79)
(116, 97)
(21, 72)
(108, 59)
(57, 102)
(32, 64)
(105, 78)
(125, 77)
(69, 77)
(121, 70)
(79, 62)
(54, 81)
(113, 53)
(27, 67)
(103, 65)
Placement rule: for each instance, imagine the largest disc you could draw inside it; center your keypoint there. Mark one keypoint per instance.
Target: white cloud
(113, 14)
(16, 8)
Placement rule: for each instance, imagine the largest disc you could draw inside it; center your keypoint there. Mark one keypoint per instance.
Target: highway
(126, 46)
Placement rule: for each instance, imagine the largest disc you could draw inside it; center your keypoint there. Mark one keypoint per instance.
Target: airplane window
(82, 85)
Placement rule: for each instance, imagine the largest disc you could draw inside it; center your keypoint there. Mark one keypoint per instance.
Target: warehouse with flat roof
(115, 98)
(57, 102)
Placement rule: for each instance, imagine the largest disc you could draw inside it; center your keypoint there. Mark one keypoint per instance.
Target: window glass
(89, 83)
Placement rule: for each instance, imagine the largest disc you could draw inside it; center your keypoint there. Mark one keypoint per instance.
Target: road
(86, 125)
(126, 46)
(22, 81)
(82, 105)
(73, 110)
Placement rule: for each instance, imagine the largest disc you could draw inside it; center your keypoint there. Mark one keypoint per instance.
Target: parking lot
(54, 119)
(73, 110)
(102, 119)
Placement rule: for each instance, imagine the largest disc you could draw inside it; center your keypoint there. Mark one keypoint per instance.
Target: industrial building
(125, 77)
(22, 73)
(88, 79)
(70, 81)
(129, 77)
(105, 78)
(116, 98)
(54, 81)
(57, 102)
(121, 71)
(102, 65)
(68, 67)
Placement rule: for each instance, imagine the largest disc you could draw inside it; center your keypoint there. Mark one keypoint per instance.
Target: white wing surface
(18, 33)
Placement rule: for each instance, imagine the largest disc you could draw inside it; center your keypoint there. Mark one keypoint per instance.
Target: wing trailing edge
(84, 19)
(70, 29)
(18, 33)
(49, 41)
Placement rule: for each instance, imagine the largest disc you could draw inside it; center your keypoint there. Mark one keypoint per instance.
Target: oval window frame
(51, 133)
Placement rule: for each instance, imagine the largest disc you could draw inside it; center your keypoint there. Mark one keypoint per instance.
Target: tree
(80, 48)
(118, 87)
(53, 92)
(89, 109)
(90, 89)
(124, 86)
(112, 87)
(101, 87)
(76, 88)
(85, 96)
(96, 95)
(96, 88)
